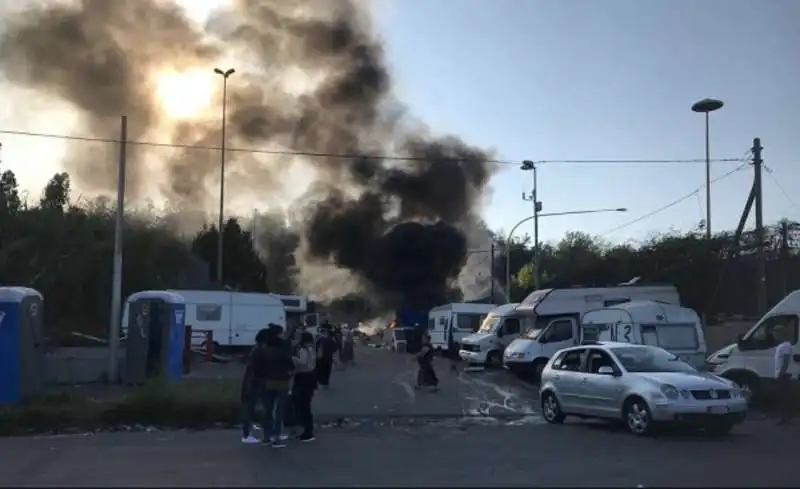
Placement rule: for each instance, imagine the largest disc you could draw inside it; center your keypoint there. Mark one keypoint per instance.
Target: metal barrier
(206, 347)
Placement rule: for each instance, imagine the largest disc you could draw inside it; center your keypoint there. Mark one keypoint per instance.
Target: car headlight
(516, 355)
(670, 391)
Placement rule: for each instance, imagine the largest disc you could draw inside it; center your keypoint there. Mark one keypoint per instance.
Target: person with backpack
(305, 383)
(326, 352)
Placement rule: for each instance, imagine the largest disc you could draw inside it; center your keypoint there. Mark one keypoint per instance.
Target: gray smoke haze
(394, 229)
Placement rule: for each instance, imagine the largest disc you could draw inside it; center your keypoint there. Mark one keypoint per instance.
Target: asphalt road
(480, 429)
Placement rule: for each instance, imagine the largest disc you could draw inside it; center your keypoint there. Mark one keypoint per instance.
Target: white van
(553, 316)
(233, 318)
(751, 364)
(455, 321)
(500, 327)
(674, 328)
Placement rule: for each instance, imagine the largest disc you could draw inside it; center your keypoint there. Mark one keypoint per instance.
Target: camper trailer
(450, 323)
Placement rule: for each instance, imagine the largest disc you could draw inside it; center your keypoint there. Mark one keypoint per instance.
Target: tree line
(65, 251)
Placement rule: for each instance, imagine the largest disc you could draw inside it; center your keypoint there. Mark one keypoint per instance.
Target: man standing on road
(784, 393)
(278, 370)
(326, 351)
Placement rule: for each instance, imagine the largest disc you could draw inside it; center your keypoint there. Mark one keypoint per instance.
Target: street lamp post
(220, 227)
(529, 165)
(706, 106)
(536, 216)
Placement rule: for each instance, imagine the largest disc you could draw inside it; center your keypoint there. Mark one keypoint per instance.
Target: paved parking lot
(480, 429)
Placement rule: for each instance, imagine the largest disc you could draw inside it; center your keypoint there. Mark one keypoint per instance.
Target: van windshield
(533, 332)
(489, 324)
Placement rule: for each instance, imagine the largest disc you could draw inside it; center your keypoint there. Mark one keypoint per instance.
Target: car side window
(569, 361)
(773, 331)
(599, 358)
(511, 326)
(560, 330)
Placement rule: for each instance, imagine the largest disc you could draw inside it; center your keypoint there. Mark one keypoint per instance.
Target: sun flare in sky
(184, 95)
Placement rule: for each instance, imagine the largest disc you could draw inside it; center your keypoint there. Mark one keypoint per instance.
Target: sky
(563, 80)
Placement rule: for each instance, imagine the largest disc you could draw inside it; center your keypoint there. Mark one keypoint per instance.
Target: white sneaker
(250, 440)
(283, 437)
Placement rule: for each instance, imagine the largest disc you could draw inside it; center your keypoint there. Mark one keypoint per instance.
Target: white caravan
(233, 318)
(674, 328)
(500, 327)
(751, 363)
(453, 322)
(553, 316)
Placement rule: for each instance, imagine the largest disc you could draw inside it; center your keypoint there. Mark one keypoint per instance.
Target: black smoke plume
(391, 228)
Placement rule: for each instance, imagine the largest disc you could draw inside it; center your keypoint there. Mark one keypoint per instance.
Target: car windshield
(489, 324)
(533, 332)
(649, 359)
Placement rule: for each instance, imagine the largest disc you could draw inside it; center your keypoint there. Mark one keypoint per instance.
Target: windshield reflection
(489, 323)
(650, 359)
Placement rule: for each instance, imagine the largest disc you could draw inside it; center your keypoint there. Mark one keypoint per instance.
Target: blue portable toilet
(21, 343)
(155, 336)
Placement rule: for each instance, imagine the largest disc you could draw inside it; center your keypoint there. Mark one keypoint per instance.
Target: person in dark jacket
(252, 386)
(267, 379)
(426, 375)
(326, 351)
(304, 385)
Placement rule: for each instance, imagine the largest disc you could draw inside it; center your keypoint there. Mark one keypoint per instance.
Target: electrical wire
(674, 202)
(311, 154)
(771, 172)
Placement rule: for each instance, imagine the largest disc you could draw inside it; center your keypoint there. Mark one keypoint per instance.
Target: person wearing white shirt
(783, 355)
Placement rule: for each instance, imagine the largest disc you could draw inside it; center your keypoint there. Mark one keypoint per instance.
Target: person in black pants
(326, 351)
(305, 383)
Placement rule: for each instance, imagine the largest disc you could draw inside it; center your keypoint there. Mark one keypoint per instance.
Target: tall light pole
(535, 217)
(220, 228)
(706, 106)
(529, 165)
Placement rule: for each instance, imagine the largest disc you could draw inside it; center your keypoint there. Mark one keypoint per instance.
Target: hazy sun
(184, 94)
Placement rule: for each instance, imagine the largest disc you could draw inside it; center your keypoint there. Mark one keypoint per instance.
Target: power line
(312, 154)
(674, 202)
(771, 172)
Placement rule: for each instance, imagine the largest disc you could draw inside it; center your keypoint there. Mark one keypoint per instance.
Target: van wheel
(637, 416)
(493, 359)
(551, 409)
(538, 368)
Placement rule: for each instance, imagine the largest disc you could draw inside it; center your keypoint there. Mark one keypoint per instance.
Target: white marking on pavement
(412, 396)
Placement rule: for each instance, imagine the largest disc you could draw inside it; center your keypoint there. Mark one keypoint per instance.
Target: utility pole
(116, 287)
(529, 165)
(761, 274)
(784, 257)
(491, 271)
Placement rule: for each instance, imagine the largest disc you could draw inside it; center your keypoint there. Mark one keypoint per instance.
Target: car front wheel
(637, 417)
(551, 409)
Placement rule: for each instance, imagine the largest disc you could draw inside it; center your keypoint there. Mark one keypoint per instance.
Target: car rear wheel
(551, 409)
(637, 417)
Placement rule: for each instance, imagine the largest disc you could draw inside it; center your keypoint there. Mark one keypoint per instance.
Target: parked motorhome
(450, 323)
(552, 317)
(233, 318)
(674, 328)
(499, 328)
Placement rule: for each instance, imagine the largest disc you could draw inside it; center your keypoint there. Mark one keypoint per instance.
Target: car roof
(605, 345)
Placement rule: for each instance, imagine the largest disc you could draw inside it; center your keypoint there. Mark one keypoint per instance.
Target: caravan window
(671, 337)
(469, 322)
(209, 312)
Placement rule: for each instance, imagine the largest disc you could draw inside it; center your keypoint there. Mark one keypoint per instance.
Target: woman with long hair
(305, 383)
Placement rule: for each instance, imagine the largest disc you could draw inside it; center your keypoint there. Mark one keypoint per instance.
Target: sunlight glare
(184, 95)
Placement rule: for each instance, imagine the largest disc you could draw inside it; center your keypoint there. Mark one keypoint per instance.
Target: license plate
(717, 409)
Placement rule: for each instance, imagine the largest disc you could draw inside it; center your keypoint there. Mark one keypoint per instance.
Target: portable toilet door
(156, 336)
(21, 343)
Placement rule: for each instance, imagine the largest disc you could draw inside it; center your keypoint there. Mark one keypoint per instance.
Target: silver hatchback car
(640, 385)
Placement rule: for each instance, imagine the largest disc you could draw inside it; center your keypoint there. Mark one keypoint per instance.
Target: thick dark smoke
(391, 228)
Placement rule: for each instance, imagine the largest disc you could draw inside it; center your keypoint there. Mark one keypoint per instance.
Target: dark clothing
(269, 367)
(274, 403)
(323, 371)
(426, 375)
(305, 384)
(326, 348)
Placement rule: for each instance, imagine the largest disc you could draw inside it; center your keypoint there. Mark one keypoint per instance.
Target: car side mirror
(606, 370)
(740, 340)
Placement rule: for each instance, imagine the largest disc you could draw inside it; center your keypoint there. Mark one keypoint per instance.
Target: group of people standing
(282, 374)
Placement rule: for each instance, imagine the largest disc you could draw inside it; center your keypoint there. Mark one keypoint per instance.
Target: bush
(192, 404)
